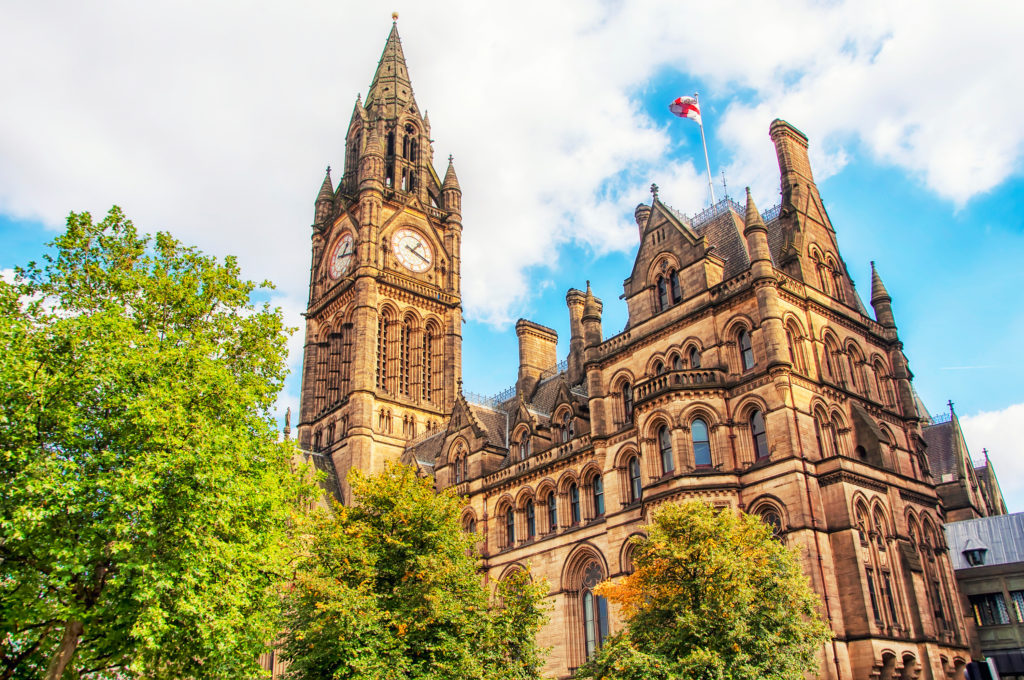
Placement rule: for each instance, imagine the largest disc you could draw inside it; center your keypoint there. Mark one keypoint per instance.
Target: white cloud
(999, 433)
(216, 123)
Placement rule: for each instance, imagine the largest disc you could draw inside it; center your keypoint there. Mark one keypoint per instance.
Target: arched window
(627, 401)
(524, 446)
(427, 384)
(677, 294)
(531, 521)
(404, 357)
(659, 368)
(566, 427)
(760, 437)
(552, 512)
(794, 352)
(820, 429)
(694, 357)
(458, 470)
(668, 464)
(770, 516)
(465, 468)
(635, 484)
(831, 365)
(597, 487)
(574, 503)
(383, 324)
(663, 302)
(595, 609)
(746, 351)
(677, 362)
(470, 525)
(701, 443)
(837, 427)
(851, 359)
(510, 527)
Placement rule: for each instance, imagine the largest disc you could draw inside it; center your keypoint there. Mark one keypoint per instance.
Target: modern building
(988, 558)
(750, 375)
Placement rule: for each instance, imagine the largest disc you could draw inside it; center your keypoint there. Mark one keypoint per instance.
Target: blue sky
(216, 125)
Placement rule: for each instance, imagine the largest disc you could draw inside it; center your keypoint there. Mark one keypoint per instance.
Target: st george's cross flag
(686, 107)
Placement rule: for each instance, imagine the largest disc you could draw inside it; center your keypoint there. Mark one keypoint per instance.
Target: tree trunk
(66, 650)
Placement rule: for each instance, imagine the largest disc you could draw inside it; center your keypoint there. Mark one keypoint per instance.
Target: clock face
(341, 258)
(412, 250)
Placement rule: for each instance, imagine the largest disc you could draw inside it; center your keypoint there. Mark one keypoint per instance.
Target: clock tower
(382, 357)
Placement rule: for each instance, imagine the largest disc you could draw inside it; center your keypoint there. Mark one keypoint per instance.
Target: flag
(686, 107)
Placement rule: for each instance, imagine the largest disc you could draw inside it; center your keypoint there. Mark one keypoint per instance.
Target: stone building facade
(750, 375)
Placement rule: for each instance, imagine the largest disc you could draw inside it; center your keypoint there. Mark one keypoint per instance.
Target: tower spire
(881, 300)
(391, 85)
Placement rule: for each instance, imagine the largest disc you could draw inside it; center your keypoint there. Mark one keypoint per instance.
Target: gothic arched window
(595, 610)
(701, 443)
(668, 464)
(760, 437)
(746, 350)
(574, 503)
(597, 488)
(552, 511)
(677, 362)
(820, 428)
(531, 520)
(694, 358)
(659, 368)
(510, 527)
(635, 483)
(677, 294)
(663, 301)
(383, 324)
(458, 470)
(627, 401)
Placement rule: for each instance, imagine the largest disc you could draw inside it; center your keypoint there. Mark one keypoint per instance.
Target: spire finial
(450, 158)
(950, 402)
(394, 17)
(654, 190)
(328, 170)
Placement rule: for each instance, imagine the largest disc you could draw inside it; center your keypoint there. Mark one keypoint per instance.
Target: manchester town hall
(750, 375)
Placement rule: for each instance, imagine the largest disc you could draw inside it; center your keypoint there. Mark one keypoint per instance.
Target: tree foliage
(713, 597)
(145, 494)
(389, 588)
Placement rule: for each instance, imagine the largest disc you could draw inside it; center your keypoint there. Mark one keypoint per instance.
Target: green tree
(713, 597)
(390, 588)
(146, 497)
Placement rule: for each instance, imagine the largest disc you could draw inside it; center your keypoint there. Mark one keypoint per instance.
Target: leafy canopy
(146, 497)
(389, 588)
(713, 597)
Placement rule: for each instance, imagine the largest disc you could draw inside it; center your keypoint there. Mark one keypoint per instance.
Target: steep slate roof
(424, 453)
(941, 440)
(391, 84)
(495, 424)
(1002, 536)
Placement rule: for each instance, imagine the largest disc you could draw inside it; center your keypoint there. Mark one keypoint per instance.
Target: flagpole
(703, 141)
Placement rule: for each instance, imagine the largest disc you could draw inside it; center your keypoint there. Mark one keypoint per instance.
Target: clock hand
(413, 251)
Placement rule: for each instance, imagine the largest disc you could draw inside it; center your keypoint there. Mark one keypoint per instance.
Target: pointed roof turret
(591, 307)
(878, 291)
(327, 188)
(391, 84)
(753, 217)
(450, 180)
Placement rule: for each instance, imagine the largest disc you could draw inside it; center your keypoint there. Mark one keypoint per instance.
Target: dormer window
(975, 556)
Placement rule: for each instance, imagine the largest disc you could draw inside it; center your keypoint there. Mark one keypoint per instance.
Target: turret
(881, 301)
(592, 308)
(451, 193)
(371, 162)
(324, 201)
(766, 285)
(642, 214)
(575, 300)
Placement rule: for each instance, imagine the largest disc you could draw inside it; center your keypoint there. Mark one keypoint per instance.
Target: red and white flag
(686, 107)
